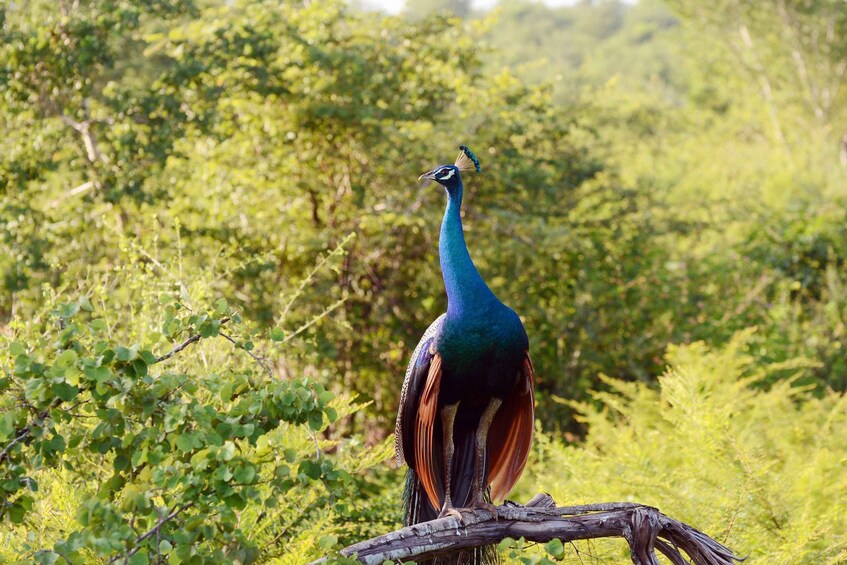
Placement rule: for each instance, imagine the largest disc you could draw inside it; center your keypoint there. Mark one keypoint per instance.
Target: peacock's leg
(479, 484)
(448, 417)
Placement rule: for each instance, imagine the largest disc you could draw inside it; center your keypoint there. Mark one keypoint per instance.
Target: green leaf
(235, 501)
(245, 475)
(222, 473)
(46, 557)
(140, 367)
(17, 510)
(225, 394)
(277, 334)
(7, 425)
(121, 462)
(227, 451)
(67, 310)
(124, 354)
(505, 544)
(209, 328)
(221, 306)
(139, 457)
(310, 469)
(66, 358)
(200, 460)
(97, 374)
(85, 304)
(147, 356)
(556, 548)
(17, 348)
(184, 443)
(316, 421)
(65, 391)
(329, 541)
(172, 327)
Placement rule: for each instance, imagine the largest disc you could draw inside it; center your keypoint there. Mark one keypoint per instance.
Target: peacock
(465, 422)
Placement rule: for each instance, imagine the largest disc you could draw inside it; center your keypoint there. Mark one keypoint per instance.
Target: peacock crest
(467, 161)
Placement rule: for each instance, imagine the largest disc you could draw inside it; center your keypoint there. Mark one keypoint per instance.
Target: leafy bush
(198, 454)
(761, 470)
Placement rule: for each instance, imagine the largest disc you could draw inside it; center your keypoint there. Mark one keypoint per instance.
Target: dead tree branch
(83, 128)
(644, 528)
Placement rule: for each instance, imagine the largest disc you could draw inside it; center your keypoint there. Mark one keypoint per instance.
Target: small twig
(178, 348)
(151, 532)
(299, 515)
(184, 344)
(197, 337)
(314, 321)
(255, 357)
(73, 192)
(20, 438)
(25, 432)
(308, 278)
(315, 441)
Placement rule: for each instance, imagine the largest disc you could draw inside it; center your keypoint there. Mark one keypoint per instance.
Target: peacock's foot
(448, 510)
(480, 504)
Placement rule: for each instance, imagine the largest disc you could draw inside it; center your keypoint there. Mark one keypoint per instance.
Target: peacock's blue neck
(466, 291)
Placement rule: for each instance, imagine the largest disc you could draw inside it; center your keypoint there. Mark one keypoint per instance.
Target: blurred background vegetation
(662, 200)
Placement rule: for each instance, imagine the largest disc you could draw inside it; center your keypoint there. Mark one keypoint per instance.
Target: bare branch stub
(644, 528)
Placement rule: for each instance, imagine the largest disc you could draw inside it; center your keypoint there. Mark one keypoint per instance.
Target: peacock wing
(510, 435)
(410, 395)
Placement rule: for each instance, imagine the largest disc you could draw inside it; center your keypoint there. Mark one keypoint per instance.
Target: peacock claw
(483, 505)
(450, 511)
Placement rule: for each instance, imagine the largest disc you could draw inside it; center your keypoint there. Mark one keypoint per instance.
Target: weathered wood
(644, 528)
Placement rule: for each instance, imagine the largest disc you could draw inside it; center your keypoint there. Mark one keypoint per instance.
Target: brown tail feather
(510, 436)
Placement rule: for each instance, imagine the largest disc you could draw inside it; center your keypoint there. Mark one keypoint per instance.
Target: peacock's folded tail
(510, 436)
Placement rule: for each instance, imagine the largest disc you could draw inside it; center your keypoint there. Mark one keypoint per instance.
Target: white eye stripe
(449, 175)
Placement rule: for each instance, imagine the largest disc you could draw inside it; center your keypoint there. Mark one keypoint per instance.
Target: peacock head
(449, 176)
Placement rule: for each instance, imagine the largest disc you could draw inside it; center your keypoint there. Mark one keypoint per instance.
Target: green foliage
(733, 165)
(146, 444)
(307, 121)
(653, 174)
(589, 45)
(760, 470)
(296, 113)
(515, 551)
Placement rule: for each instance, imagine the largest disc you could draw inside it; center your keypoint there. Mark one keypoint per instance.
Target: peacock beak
(428, 175)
